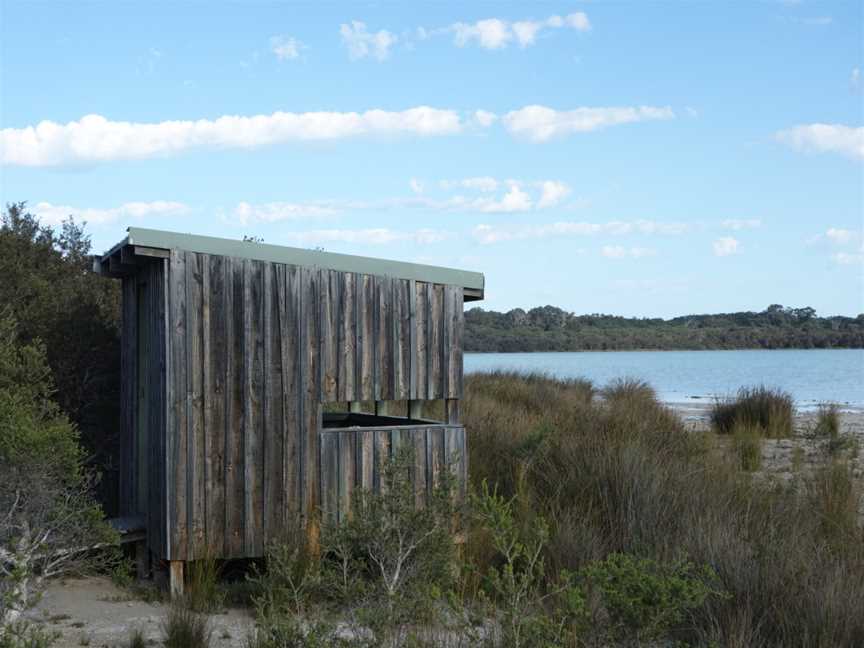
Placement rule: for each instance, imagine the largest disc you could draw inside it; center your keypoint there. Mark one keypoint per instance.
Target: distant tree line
(548, 328)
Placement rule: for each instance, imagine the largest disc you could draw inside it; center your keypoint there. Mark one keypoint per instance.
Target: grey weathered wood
(421, 337)
(346, 471)
(366, 337)
(329, 302)
(235, 416)
(177, 432)
(254, 455)
(215, 348)
(195, 457)
(347, 338)
(330, 477)
(455, 328)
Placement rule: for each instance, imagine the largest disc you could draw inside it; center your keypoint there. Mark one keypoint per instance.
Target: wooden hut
(232, 354)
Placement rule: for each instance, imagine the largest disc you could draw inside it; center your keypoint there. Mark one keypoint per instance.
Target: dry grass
(615, 471)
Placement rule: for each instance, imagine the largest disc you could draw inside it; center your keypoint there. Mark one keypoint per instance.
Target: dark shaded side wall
(143, 406)
(253, 350)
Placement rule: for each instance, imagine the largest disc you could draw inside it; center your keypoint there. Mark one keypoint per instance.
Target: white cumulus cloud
(246, 214)
(725, 246)
(825, 138)
(286, 48)
(362, 43)
(55, 214)
(553, 192)
(94, 138)
(540, 123)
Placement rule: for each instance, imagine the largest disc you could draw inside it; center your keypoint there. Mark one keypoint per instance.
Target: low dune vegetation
(618, 473)
(769, 412)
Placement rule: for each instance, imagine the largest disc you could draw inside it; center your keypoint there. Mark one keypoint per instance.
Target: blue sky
(647, 159)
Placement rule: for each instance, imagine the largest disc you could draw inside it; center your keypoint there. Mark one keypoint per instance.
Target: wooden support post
(142, 560)
(415, 409)
(175, 578)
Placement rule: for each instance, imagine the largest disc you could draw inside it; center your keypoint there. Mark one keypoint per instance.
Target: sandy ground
(93, 612)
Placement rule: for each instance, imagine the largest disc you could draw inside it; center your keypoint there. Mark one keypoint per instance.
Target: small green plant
(533, 611)
(646, 599)
(747, 442)
(185, 628)
(23, 634)
(291, 577)
(769, 410)
(122, 570)
(205, 593)
(828, 420)
(84, 639)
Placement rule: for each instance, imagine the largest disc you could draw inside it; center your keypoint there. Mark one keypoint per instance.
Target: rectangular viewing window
(381, 414)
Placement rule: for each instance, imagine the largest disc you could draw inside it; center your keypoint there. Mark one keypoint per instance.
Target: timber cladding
(241, 356)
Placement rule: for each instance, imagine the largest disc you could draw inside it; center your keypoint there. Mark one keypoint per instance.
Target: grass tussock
(185, 628)
(205, 594)
(619, 474)
(137, 639)
(771, 411)
(747, 442)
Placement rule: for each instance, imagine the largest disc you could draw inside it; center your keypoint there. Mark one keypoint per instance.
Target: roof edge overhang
(142, 245)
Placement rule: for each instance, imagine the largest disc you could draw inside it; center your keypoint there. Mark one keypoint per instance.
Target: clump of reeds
(769, 410)
(185, 628)
(747, 442)
(204, 591)
(137, 639)
(828, 420)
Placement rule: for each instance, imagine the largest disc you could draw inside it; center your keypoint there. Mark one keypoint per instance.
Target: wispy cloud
(848, 258)
(840, 236)
(286, 48)
(741, 224)
(488, 234)
(371, 236)
(825, 138)
(726, 246)
(621, 252)
(855, 79)
(497, 33)
(95, 138)
(55, 214)
(246, 214)
(362, 43)
(540, 123)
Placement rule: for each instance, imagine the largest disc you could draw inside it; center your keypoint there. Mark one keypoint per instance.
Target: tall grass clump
(204, 591)
(828, 420)
(185, 628)
(748, 447)
(618, 473)
(770, 410)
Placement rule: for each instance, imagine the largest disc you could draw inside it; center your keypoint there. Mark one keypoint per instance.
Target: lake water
(811, 376)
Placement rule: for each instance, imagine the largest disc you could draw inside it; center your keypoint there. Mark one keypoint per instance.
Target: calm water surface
(811, 376)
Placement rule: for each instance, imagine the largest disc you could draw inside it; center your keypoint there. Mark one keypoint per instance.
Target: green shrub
(769, 410)
(185, 628)
(747, 442)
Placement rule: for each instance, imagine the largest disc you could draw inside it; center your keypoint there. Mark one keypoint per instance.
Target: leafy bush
(646, 599)
(769, 410)
(185, 628)
(23, 634)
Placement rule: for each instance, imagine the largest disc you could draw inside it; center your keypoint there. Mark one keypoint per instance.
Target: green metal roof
(159, 239)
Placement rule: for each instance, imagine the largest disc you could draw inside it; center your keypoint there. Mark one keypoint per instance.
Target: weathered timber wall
(253, 350)
(354, 458)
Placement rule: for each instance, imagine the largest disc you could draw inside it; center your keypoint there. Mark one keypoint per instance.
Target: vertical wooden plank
(402, 340)
(454, 334)
(329, 301)
(195, 375)
(310, 378)
(177, 428)
(215, 349)
(366, 341)
(436, 341)
(365, 470)
(289, 302)
(273, 406)
(421, 369)
(384, 356)
(128, 399)
(412, 339)
(381, 454)
(435, 456)
(235, 423)
(166, 389)
(253, 407)
(418, 473)
(330, 477)
(347, 338)
(346, 468)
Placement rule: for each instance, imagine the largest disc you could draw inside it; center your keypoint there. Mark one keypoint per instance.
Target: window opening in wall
(378, 414)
